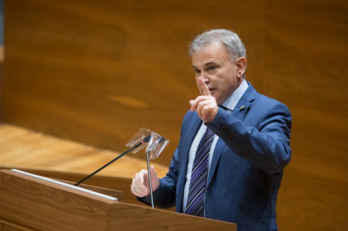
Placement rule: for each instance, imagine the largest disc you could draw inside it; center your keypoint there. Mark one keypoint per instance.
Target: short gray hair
(229, 39)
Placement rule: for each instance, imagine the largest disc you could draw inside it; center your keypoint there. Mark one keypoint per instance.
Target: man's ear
(241, 65)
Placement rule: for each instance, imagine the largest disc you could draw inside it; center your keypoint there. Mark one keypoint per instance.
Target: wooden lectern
(29, 204)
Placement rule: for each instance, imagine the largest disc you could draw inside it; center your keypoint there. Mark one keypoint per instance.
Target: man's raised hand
(205, 105)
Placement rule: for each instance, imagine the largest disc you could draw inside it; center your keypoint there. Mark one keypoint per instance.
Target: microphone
(145, 140)
(154, 147)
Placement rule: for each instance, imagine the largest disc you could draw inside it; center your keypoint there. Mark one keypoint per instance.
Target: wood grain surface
(61, 159)
(24, 149)
(306, 65)
(123, 216)
(31, 203)
(96, 72)
(9, 226)
(46, 206)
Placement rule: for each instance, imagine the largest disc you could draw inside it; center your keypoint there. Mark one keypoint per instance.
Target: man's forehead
(213, 53)
(212, 47)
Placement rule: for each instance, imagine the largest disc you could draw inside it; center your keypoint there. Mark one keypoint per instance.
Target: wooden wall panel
(95, 72)
(306, 57)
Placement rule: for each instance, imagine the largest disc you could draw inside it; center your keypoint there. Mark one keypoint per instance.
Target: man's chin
(218, 100)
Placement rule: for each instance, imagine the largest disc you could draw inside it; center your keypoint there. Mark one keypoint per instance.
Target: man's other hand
(140, 184)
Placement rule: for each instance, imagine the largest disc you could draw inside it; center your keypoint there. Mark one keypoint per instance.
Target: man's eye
(197, 71)
(211, 68)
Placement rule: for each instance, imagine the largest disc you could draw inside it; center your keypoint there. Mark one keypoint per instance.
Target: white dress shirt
(230, 103)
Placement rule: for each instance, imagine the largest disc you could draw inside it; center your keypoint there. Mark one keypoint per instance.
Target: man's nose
(205, 77)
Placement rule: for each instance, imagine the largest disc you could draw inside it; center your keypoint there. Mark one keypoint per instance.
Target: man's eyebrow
(205, 65)
(210, 63)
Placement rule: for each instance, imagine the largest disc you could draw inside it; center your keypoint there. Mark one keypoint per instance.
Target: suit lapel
(241, 108)
(188, 140)
(238, 113)
(194, 124)
(220, 145)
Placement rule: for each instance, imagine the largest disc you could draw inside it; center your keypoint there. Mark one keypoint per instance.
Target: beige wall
(96, 71)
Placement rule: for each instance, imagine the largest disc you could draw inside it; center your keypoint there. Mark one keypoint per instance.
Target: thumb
(153, 171)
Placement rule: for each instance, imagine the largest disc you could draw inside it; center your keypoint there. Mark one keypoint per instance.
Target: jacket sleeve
(266, 145)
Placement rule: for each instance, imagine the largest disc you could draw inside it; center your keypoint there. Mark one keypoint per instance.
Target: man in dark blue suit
(233, 147)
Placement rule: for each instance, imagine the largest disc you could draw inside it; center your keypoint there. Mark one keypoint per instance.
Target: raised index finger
(204, 87)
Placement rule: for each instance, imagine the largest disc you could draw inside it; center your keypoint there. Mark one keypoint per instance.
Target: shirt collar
(231, 102)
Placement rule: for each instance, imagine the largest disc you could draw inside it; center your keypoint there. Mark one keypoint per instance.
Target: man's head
(218, 57)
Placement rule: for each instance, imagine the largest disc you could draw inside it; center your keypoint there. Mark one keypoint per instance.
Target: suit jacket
(247, 165)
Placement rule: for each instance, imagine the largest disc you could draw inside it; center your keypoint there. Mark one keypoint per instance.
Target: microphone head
(147, 139)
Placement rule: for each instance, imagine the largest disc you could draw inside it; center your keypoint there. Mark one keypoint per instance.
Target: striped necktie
(195, 201)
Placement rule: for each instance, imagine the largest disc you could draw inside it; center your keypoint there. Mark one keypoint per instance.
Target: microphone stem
(107, 164)
(150, 179)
